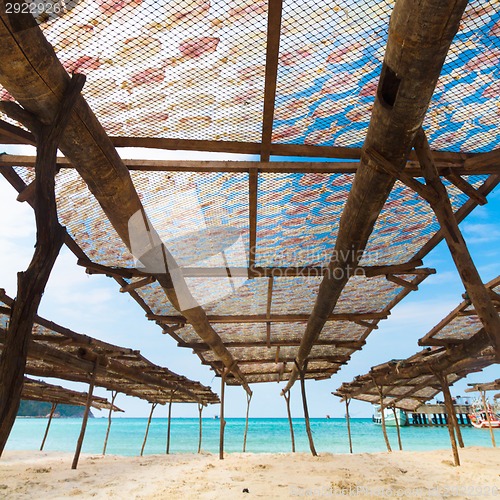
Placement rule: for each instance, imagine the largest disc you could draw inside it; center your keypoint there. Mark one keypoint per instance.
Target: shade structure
(37, 390)
(58, 352)
(279, 221)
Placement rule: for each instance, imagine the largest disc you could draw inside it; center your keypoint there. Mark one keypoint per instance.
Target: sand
(40, 475)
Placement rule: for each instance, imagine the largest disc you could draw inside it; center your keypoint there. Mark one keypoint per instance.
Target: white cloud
(480, 233)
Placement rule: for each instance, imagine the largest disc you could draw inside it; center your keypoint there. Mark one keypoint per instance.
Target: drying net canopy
(252, 242)
(58, 352)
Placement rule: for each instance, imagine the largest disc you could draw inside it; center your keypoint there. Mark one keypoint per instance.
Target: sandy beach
(367, 475)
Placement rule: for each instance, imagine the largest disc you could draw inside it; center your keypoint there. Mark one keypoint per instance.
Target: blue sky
(93, 305)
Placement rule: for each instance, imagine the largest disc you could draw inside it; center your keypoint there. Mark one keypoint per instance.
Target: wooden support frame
(349, 344)
(286, 395)
(449, 410)
(50, 238)
(81, 437)
(137, 284)
(113, 397)
(380, 390)
(221, 416)
(347, 401)
(302, 372)
(153, 406)
(249, 399)
(169, 421)
(52, 410)
(485, 407)
(200, 436)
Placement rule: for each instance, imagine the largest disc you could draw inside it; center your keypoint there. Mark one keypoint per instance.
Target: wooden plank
(286, 395)
(16, 134)
(476, 162)
(253, 182)
(348, 344)
(466, 188)
(401, 282)
(311, 166)
(271, 76)
(274, 318)
(419, 38)
(268, 310)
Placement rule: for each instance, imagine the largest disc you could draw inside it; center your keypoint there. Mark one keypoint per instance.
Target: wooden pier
(435, 415)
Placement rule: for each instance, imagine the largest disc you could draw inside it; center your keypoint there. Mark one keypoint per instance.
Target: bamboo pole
(49, 240)
(448, 402)
(221, 418)
(286, 395)
(153, 406)
(52, 410)
(169, 421)
(79, 444)
(382, 417)
(200, 411)
(397, 428)
(306, 411)
(113, 396)
(348, 420)
(249, 398)
(485, 406)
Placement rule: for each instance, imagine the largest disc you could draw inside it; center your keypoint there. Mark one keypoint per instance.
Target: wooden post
(200, 411)
(52, 410)
(456, 426)
(448, 402)
(169, 421)
(113, 396)
(397, 428)
(31, 283)
(221, 417)
(348, 420)
(306, 411)
(286, 395)
(153, 406)
(249, 398)
(478, 293)
(382, 417)
(485, 406)
(84, 420)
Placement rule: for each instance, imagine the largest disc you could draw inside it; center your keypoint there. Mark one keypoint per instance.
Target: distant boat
(216, 417)
(328, 416)
(390, 421)
(479, 419)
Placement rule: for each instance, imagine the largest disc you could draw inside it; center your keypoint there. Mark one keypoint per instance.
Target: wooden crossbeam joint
(401, 282)
(465, 187)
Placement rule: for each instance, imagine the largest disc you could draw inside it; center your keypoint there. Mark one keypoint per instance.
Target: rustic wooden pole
(200, 411)
(52, 410)
(79, 444)
(348, 420)
(286, 395)
(382, 416)
(113, 396)
(31, 284)
(478, 293)
(153, 406)
(448, 402)
(485, 406)
(221, 417)
(169, 421)
(419, 38)
(306, 411)
(456, 426)
(397, 428)
(249, 398)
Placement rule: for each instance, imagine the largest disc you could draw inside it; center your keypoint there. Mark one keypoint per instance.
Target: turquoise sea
(265, 435)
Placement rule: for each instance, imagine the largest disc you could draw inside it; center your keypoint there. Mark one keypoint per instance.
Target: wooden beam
(137, 284)
(449, 410)
(401, 282)
(84, 422)
(113, 397)
(469, 275)
(249, 399)
(488, 417)
(466, 188)
(200, 411)
(169, 422)
(419, 38)
(302, 372)
(221, 416)
(275, 8)
(348, 421)
(153, 406)
(286, 395)
(311, 166)
(16, 134)
(284, 343)
(253, 182)
(273, 318)
(52, 410)
(474, 163)
(268, 310)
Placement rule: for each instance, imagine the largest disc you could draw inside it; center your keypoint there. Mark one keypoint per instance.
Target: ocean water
(265, 435)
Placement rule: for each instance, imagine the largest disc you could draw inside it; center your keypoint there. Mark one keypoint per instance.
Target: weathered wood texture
(249, 399)
(286, 395)
(113, 397)
(419, 39)
(52, 410)
(449, 411)
(306, 411)
(32, 282)
(38, 85)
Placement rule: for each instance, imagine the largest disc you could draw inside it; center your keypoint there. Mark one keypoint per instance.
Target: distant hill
(40, 409)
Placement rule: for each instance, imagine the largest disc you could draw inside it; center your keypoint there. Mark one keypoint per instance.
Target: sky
(93, 305)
